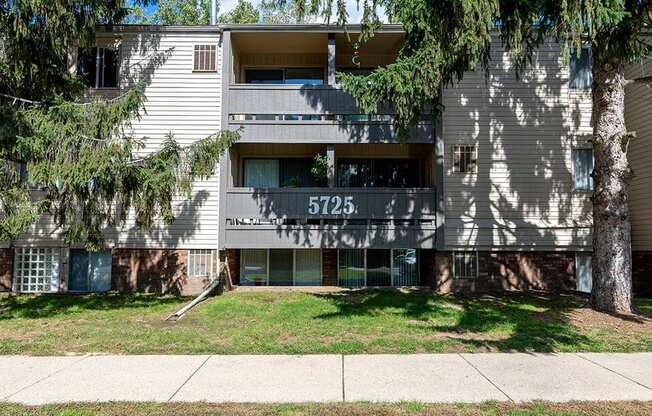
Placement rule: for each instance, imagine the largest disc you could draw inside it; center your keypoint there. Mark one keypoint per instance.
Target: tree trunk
(612, 256)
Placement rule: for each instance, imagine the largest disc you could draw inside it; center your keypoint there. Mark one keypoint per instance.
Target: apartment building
(492, 194)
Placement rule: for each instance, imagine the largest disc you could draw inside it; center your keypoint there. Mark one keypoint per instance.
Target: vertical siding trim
(224, 159)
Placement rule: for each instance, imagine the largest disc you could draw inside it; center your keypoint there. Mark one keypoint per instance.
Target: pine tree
(79, 152)
(445, 39)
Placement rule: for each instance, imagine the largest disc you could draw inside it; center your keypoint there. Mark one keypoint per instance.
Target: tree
(173, 12)
(87, 166)
(273, 12)
(244, 12)
(444, 39)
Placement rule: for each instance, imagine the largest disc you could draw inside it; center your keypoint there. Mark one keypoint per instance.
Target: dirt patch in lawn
(587, 318)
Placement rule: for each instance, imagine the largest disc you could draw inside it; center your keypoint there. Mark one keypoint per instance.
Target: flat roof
(312, 27)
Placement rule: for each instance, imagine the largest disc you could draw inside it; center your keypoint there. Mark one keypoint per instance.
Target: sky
(351, 6)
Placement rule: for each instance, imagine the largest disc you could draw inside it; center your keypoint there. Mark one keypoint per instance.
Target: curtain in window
(307, 267)
(253, 267)
(582, 168)
(580, 70)
(379, 263)
(280, 267)
(261, 173)
(351, 268)
(405, 268)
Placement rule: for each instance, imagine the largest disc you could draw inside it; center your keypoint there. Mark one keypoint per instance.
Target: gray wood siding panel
(638, 118)
(328, 132)
(524, 130)
(293, 203)
(329, 237)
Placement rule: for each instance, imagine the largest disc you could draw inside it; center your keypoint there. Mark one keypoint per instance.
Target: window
(378, 173)
(584, 272)
(404, 268)
(275, 173)
(304, 76)
(377, 267)
(297, 76)
(264, 76)
(36, 270)
(200, 263)
(465, 264)
(581, 76)
(99, 67)
(465, 158)
(205, 58)
(89, 271)
(261, 173)
(351, 268)
(582, 169)
(280, 267)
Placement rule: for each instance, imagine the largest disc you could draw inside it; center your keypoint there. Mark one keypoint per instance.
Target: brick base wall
(152, 270)
(550, 271)
(642, 273)
(231, 271)
(329, 266)
(6, 269)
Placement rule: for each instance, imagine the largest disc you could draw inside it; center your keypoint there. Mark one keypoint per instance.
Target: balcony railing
(353, 218)
(349, 203)
(334, 105)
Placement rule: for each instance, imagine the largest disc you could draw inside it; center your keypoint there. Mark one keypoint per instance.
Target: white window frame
(474, 156)
(208, 49)
(477, 264)
(32, 281)
(193, 255)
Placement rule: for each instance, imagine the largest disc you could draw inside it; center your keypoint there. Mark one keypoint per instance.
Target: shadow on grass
(51, 305)
(524, 322)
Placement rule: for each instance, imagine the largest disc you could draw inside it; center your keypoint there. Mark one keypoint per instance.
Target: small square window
(465, 264)
(205, 58)
(465, 158)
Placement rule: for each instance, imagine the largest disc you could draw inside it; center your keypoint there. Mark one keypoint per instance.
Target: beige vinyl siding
(638, 118)
(524, 130)
(180, 101)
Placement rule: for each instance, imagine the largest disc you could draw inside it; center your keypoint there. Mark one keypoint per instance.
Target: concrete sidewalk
(323, 378)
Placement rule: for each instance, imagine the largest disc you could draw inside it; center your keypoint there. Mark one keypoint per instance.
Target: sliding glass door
(253, 267)
(404, 270)
(351, 268)
(307, 269)
(379, 267)
(281, 267)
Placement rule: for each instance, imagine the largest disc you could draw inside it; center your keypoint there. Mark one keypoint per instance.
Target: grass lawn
(374, 321)
(340, 409)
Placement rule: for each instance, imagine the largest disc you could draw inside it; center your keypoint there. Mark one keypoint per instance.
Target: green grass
(338, 409)
(379, 321)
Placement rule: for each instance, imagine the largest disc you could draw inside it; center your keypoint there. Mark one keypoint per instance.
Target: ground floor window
(465, 264)
(377, 267)
(584, 281)
(36, 269)
(280, 267)
(89, 271)
(200, 262)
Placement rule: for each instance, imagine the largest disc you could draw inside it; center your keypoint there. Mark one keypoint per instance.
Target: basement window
(465, 264)
(36, 269)
(205, 58)
(200, 262)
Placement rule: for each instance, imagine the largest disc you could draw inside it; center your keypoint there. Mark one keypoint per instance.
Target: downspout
(213, 13)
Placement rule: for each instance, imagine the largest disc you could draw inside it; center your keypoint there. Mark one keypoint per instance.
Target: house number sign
(331, 204)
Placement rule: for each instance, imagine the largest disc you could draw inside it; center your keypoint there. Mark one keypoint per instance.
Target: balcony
(311, 114)
(330, 217)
